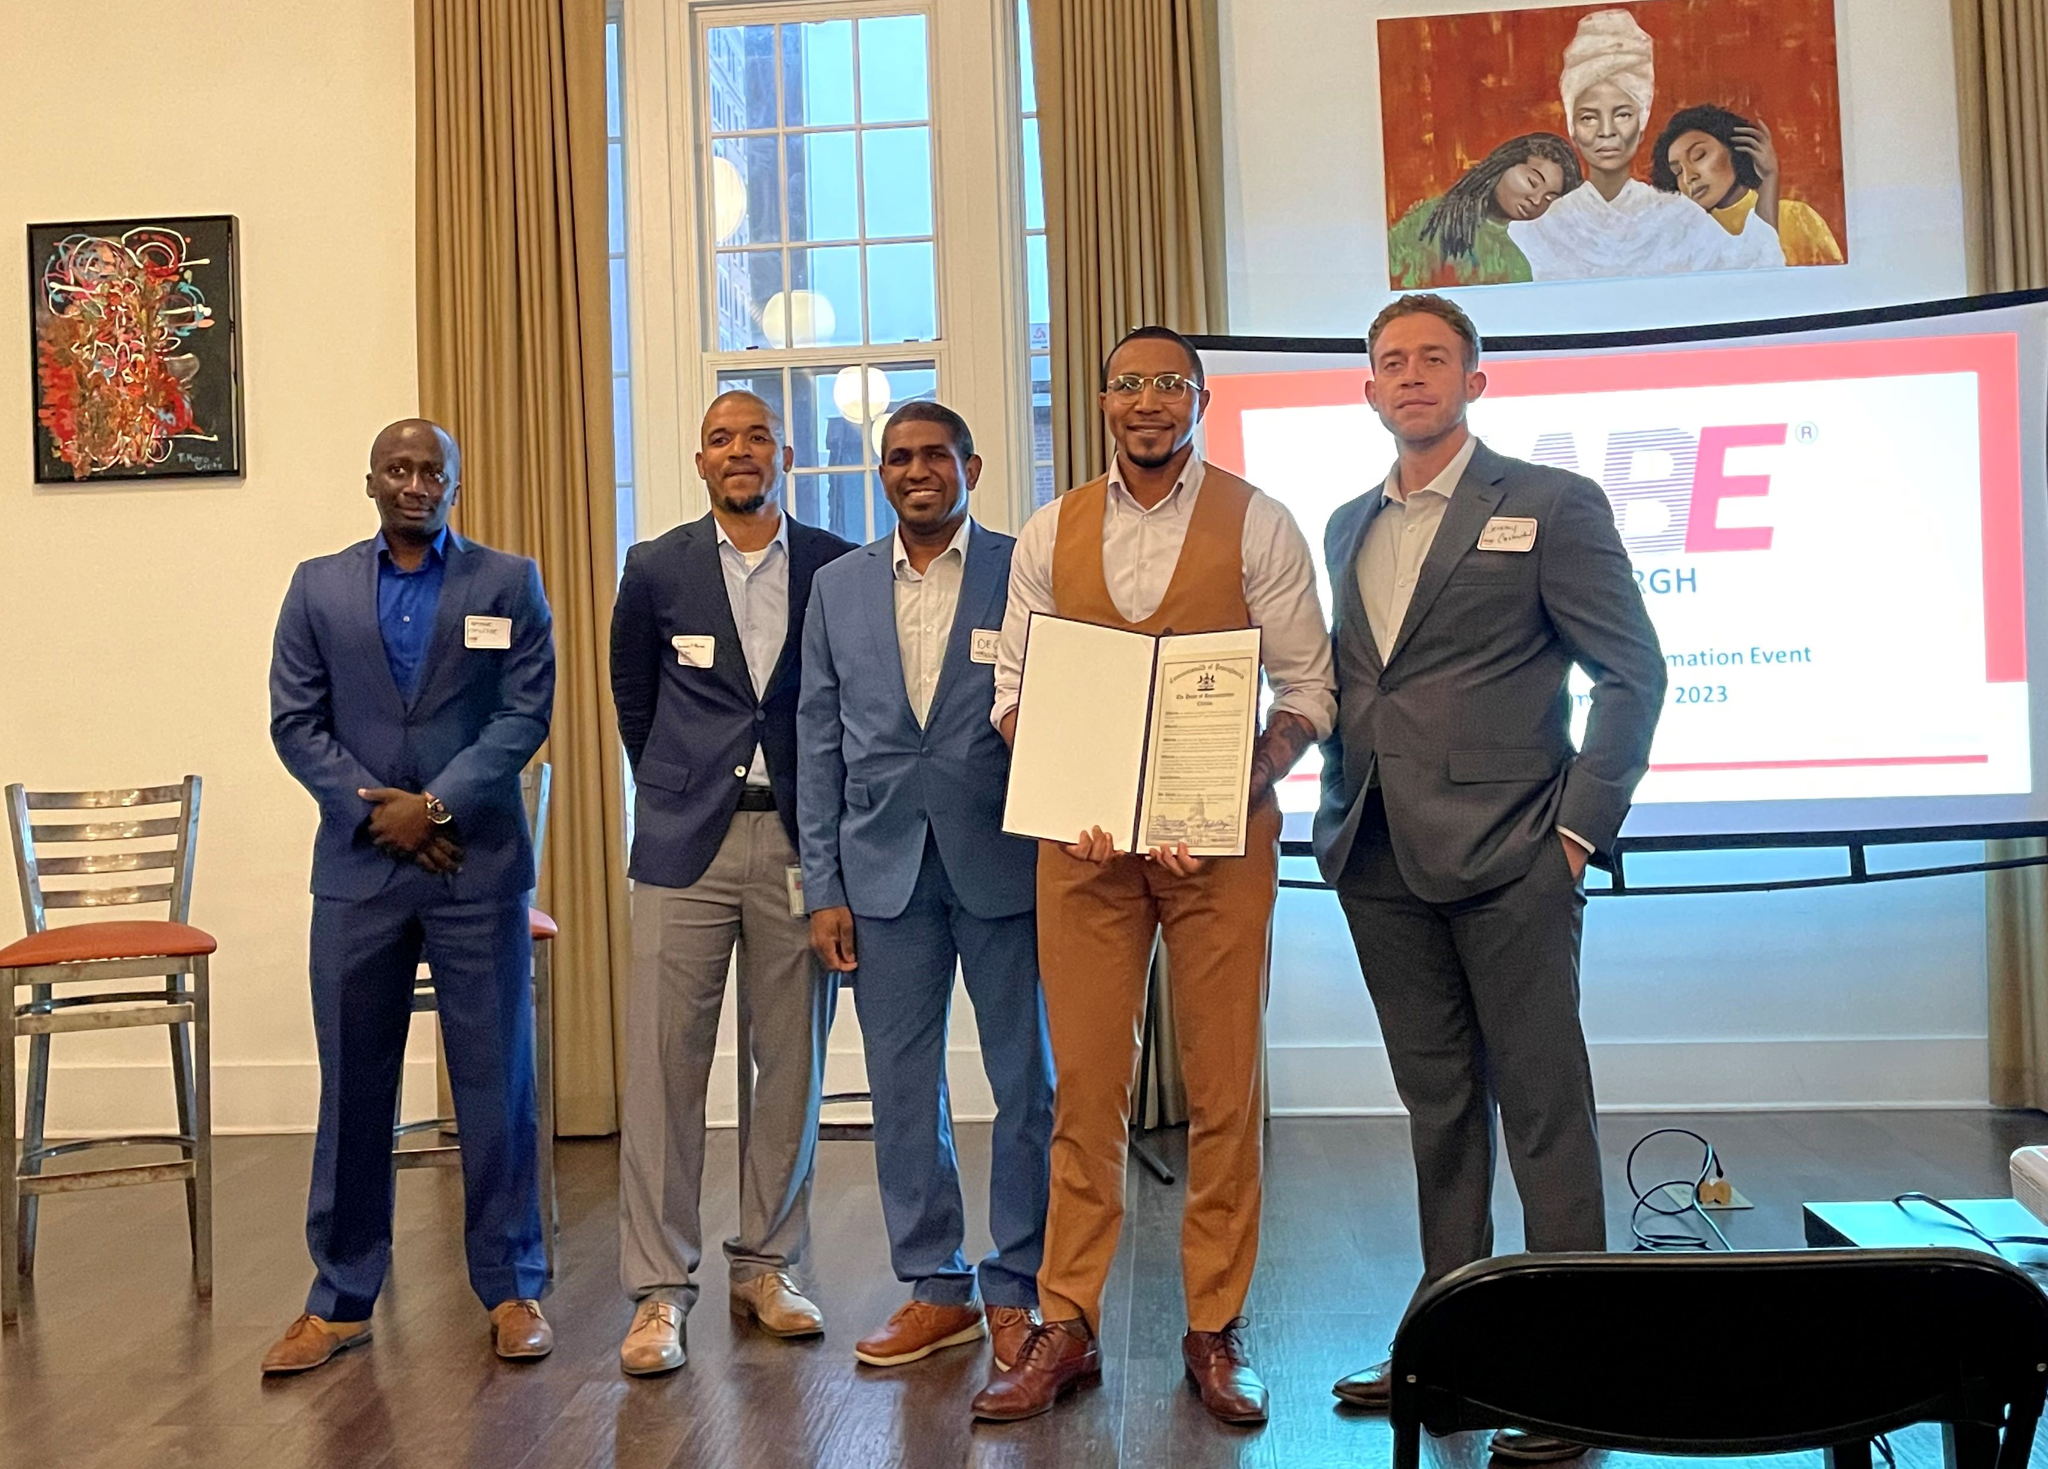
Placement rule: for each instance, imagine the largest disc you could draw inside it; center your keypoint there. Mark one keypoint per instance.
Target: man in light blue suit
(900, 787)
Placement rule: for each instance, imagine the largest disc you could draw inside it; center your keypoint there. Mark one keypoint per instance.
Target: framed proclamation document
(1149, 738)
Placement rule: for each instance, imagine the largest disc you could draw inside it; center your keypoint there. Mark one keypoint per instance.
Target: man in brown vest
(1162, 543)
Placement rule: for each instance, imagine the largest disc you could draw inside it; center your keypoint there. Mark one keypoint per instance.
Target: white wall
(137, 618)
(1873, 995)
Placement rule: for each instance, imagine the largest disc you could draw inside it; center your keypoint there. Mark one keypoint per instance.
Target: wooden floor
(115, 1364)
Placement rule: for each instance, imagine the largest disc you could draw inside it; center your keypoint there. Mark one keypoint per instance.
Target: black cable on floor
(1647, 1198)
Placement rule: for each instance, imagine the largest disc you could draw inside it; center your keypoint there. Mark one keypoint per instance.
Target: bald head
(415, 475)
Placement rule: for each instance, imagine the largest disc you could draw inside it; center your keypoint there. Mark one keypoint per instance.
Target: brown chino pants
(1095, 929)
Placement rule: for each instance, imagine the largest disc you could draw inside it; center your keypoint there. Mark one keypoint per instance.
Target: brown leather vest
(1206, 593)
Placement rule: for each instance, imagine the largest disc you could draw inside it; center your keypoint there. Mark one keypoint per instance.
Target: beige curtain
(2002, 88)
(1130, 136)
(515, 359)
(1130, 131)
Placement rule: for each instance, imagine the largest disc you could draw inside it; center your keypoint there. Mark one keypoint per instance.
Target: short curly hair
(1715, 122)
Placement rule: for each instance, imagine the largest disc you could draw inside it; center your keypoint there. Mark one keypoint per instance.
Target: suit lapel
(982, 583)
(704, 567)
(799, 550)
(457, 566)
(1348, 603)
(1471, 504)
(878, 602)
(371, 627)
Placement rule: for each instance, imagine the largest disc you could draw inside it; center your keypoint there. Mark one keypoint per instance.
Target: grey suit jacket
(1465, 727)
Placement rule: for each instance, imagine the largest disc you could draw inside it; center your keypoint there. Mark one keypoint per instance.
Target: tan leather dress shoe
(655, 1343)
(520, 1332)
(916, 1329)
(772, 1299)
(1221, 1372)
(1007, 1328)
(1056, 1358)
(310, 1341)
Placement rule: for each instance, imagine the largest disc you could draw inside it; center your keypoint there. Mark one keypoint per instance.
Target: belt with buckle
(757, 798)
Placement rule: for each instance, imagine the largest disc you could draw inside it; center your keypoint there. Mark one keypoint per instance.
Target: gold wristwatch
(436, 812)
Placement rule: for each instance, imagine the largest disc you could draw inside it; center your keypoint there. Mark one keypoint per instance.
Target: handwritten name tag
(486, 632)
(1509, 533)
(986, 641)
(694, 651)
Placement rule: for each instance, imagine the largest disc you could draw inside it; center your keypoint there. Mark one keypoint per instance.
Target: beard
(743, 504)
(1153, 461)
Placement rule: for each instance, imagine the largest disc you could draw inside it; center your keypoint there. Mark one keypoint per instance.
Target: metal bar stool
(535, 784)
(86, 959)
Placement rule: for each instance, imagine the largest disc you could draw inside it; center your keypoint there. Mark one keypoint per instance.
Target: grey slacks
(1479, 1003)
(683, 942)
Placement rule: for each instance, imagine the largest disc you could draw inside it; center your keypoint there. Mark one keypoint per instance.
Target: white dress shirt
(1397, 543)
(1395, 546)
(757, 586)
(926, 602)
(1140, 549)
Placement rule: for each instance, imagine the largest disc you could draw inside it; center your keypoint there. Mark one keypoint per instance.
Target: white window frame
(982, 355)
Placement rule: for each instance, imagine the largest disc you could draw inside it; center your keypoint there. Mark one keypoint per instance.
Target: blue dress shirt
(406, 604)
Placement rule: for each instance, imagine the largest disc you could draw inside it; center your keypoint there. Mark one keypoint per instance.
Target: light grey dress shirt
(757, 586)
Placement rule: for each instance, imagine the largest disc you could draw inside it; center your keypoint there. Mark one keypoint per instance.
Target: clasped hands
(401, 829)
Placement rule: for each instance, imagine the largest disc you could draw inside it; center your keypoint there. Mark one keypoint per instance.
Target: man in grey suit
(1457, 820)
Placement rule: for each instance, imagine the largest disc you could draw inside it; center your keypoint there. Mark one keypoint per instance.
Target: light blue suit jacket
(870, 782)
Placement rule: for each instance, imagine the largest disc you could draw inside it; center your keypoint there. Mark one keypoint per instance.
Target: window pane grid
(1038, 291)
(815, 284)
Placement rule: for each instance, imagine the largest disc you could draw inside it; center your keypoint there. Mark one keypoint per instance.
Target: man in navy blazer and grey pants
(413, 677)
(705, 664)
(900, 806)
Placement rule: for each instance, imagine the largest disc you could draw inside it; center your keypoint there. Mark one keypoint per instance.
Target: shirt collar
(437, 548)
(1185, 488)
(899, 558)
(781, 537)
(1446, 482)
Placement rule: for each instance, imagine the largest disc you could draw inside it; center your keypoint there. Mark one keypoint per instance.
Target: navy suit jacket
(690, 732)
(870, 782)
(478, 715)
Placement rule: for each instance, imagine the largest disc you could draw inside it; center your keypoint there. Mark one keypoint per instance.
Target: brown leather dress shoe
(520, 1332)
(310, 1341)
(1007, 1328)
(1221, 1372)
(916, 1329)
(1520, 1446)
(1372, 1388)
(1056, 1358)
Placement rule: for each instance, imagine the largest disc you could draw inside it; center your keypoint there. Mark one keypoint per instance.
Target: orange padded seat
(543, 926)
(120, 939)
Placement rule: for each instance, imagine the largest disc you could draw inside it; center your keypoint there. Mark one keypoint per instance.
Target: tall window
(824, 291)
(1037, 281)
(622, 395)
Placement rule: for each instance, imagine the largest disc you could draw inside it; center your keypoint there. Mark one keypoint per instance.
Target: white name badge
(986, 641)
(1509, 533)
(486, 632)
(694, 651)
(794, 876)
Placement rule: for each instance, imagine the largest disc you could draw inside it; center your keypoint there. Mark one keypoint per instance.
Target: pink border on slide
(1993, 357)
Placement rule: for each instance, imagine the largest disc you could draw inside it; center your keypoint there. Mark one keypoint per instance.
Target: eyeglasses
(1172, 386)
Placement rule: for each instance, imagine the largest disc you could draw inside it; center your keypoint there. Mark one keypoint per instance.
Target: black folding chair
(1730, 1353)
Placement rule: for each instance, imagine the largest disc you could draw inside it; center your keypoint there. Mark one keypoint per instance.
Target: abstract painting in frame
(135, 354)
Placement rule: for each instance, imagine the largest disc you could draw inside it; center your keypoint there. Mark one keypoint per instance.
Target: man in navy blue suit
(705, 671)
(900, 807)
(412, 678)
